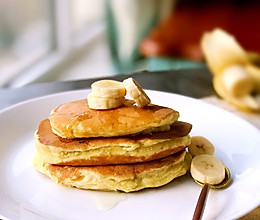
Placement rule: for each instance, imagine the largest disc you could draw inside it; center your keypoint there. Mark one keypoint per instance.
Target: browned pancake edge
(76, 119)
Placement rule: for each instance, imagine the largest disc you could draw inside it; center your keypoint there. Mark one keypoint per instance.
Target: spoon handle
(201, 203)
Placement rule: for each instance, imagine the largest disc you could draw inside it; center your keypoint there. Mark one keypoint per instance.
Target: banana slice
(245, 103)
(200, 145)
(254, 72)
(136, 92)
(222, 50)
(108, 89)
(95, 102)
(237, 81)
(207, 169)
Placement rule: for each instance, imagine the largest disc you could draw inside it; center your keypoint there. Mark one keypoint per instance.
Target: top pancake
(77, 120)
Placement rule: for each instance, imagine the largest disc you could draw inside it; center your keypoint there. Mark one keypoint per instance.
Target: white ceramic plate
(27, 194)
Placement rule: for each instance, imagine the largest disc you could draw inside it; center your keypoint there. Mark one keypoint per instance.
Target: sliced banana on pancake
(136, 92)
(207, 169)
(106, 94)
(108, 89)
(200, 145)
(96, 102)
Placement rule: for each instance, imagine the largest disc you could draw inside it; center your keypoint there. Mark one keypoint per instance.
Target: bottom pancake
(126, 177)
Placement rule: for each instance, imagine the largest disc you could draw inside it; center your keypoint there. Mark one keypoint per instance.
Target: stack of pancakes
(125, 149)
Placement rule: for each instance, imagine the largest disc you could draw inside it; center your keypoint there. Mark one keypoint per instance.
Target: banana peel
(254, 72)
(254, 58)
(246, 103)
(221, 50)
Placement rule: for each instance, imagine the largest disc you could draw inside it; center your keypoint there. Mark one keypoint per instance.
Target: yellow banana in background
(236, 74)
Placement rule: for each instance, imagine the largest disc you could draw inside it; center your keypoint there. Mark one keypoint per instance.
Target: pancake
(77, 120)
(110, 150)
(127, 177)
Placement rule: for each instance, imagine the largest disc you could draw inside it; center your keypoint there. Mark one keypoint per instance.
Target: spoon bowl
(225, 183)
(204, 192)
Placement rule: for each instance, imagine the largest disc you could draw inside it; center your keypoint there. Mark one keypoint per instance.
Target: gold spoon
(204, 192)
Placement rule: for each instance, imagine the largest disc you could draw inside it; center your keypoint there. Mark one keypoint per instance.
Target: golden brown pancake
(127, 177)
(110, 150)
(77, 120)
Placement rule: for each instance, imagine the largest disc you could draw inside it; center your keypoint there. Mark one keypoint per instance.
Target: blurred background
(50, 40)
